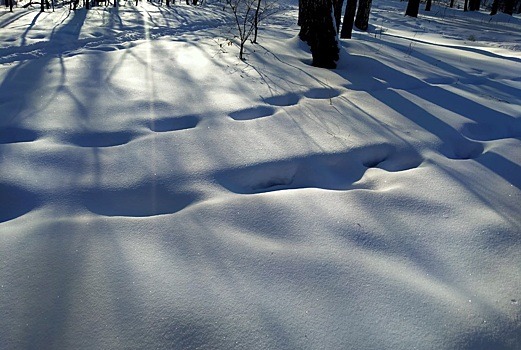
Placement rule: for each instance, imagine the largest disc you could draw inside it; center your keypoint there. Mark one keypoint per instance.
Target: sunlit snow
(158, 193)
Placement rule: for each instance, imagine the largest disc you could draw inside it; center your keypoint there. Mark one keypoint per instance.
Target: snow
(158, 193)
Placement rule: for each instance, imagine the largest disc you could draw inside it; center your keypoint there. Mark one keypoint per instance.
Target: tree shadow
(414, 99)
(71, 281)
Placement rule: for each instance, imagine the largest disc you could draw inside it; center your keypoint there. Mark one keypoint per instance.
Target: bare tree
(256, 21)
(247, 15)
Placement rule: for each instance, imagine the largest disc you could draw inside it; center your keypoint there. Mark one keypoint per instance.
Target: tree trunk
(466, 7)
(509, 7)
(451, 3)
(304, 19)
(299, 21)
(474, 5)
(337, 5)
(349, 18)
(413, 7)
(362, 14)
(256, 22)
(428, 5)
(241, 51)
(42, 6)
(495, 7)
(318, 29)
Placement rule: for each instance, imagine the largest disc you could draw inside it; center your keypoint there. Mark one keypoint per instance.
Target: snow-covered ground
(158, 193)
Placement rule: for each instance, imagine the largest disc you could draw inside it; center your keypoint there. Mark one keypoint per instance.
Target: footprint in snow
(337, 171)
(285, 100)
(289, 99)
(322, 93)
(492, 131)
(253, 113)
(143, 201)
(174, 123)
(16, 135)
(100, 139)
(15, 202)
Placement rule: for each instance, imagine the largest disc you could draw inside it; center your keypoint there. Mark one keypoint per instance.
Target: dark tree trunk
(495, 7)
(509, 7)
(318, 29)
(362, 14)
(87, 4)
(305, 16)
(428, 5)
(474, 5)
(42, 6)
(466, 6)
(10, 5)
(256, 22)
(451, 3)
(337, 5)
(299, 21)
(349, 18)
(413, 7)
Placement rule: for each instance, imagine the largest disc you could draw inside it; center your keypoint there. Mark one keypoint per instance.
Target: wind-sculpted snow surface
(158, 193)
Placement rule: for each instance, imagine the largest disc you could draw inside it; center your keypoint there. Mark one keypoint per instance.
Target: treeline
(320, 21)
(74, 4)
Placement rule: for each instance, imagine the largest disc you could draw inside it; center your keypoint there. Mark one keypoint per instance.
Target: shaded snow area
(158, 193)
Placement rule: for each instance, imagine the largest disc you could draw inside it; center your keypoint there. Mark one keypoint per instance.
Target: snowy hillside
(158, 193)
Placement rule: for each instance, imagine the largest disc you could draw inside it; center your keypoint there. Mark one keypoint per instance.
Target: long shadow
(383, 84)
(502, 166)
(462, 77)
(22, 84)
(63, 38)
(28, 29)
(80, 281)
(13, 18)
(385, 78)
(457, 47)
